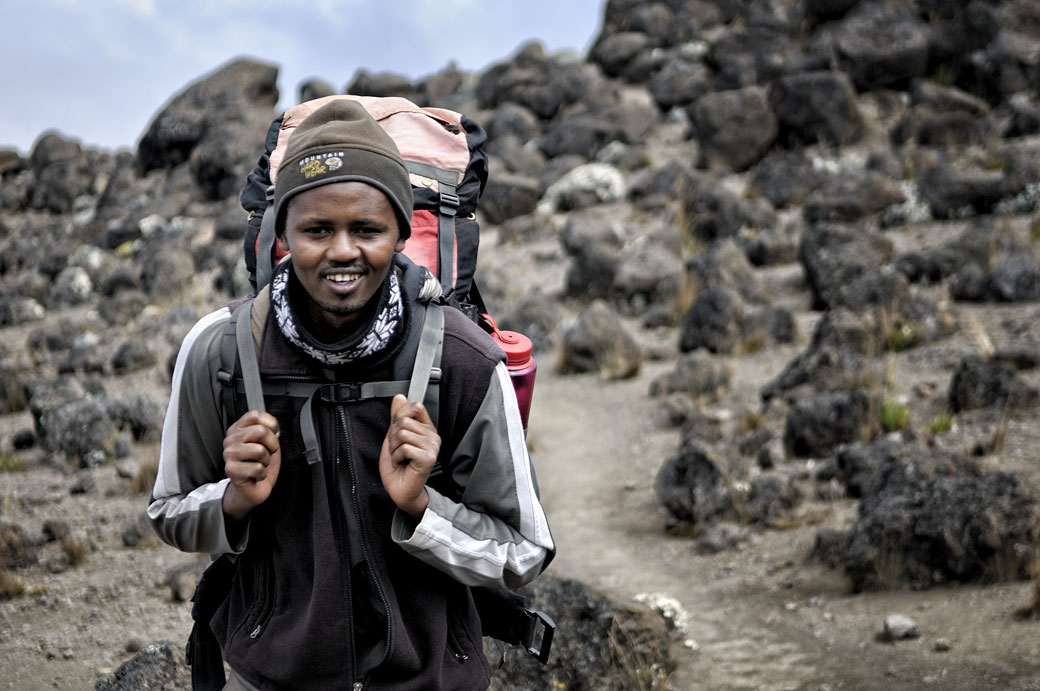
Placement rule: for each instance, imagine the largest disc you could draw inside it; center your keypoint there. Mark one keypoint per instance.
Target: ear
(283, 244)
(398, 246)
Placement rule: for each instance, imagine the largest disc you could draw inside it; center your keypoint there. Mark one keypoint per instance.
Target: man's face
(342, 237)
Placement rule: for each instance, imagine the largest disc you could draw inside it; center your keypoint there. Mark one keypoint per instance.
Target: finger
(246, 471)
(254, 434)
(257, 417)
(398, 402)
(240, 450)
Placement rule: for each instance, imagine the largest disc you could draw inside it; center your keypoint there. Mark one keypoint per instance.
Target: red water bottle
(520, 364)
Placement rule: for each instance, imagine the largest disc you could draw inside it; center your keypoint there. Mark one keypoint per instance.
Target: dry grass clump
(145, 478)
(75, 550)
(11, 586)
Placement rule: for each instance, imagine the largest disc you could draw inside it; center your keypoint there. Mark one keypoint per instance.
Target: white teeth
(343, 277)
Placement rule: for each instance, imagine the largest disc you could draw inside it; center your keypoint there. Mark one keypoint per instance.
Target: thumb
(398, 402)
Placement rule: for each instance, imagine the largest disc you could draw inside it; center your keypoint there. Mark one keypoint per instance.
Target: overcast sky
(98, 70)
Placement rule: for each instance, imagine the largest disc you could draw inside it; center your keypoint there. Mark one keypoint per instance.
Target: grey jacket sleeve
(497, 535)
(186, 508)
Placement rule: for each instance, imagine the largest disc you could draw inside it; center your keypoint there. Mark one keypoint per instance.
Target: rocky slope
(779, 263)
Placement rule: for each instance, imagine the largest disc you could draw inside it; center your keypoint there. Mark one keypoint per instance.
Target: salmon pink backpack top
(448, 167)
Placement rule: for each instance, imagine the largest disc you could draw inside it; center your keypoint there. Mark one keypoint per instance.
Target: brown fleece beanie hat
(341, 142)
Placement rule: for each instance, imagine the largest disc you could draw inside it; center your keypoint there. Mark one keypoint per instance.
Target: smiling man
(352, 567)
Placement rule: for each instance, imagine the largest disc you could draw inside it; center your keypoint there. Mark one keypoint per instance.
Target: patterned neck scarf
(369, 340)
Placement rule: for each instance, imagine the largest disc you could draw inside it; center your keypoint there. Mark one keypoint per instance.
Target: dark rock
(12, 389)
(833, 256)
(594, 240)
(770, 497)
(365, 83)
(696, 374)
(167, 271)
(46, 394)
(83, 483)
(507, 196)
(751, 55)
(597, 341)
(63, 173)
(16, 549)
(596, 639)
(678, 83)
(828, 548)
(312, 88)
(785, 178)
(722, 265)
(721, 537)
(56, 530)
(710, 211)
(713, 322)
(214, 124)
(585, 133)
(1024, 116)
(816, 107)
(734, 128)
(137, 531)
(879, 47)
(818, 424)
(139, 412)
(769, 247)
(648, 273)
(132, 356)
(613, 52)
(82, 430)
(692, 488)
(158, 667)
(851, 196)
(955, 187)
(11, 162)
(858, 466)
(536, 316)
(980, 383)
(122, 307)
(530, 78)
(933, 518)
(513, 119)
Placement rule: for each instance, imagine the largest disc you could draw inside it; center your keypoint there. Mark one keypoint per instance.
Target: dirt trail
(759, 617)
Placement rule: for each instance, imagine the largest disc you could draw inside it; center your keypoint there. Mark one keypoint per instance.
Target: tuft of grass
(889, 564)
(145, 478)
(11, 586)
(75, 550)
(641, 675)
(894, 415)
(904, 337)
(11, 463)
(750, 421)
(941, 423)
(1031, 610)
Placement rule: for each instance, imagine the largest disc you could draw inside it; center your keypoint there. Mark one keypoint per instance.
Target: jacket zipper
(352, 500)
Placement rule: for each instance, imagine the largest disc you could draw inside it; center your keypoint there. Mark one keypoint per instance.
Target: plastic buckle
(449, 203)
(340, 393)
(541, 651)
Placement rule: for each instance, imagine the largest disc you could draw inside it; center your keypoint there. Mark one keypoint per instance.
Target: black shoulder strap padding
(203, 651)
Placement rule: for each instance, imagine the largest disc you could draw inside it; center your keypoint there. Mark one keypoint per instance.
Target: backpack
(444, 153)
(448, 176)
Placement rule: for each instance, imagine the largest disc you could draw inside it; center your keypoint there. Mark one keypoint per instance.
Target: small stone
(899, 627)
(943, 645)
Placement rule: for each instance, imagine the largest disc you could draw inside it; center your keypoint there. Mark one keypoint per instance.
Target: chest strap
(422, 386)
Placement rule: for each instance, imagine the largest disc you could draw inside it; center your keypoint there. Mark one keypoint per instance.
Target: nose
(342, 246)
